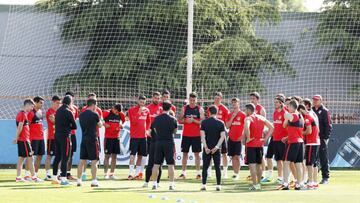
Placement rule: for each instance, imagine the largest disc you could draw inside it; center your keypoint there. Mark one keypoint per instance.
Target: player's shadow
(37, 187)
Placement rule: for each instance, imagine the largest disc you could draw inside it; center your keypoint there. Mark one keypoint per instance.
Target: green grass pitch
(344, 187)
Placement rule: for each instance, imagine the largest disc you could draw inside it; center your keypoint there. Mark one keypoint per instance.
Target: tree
(339, 28)
(143, 42)
(289, 5)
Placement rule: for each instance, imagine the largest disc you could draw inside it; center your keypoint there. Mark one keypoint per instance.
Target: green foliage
(140, 45)
(340, 28)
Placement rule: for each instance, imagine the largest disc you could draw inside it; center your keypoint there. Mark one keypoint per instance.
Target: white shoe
(145, 185)
(113, 177)
(218, 188)
(235, 177)
(106, 177)
(94, 183)
(203, 188)
(37, 180)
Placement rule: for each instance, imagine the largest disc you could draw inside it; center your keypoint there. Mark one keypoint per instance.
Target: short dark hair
(218, 94)
(118, 107)
(67, 100)
(281, 95)
(55, 98)
(156, 94)
(142, 97)
(70, 93)
(166, 105)
(165, 92)
(297, 98)
(91, 94)
(250, 107)
(28, 101)
(255, 94)
(37, 99)
(301, 107)
(213, 110)
(91, 102)
(235, 99)
(307, 102)
(288, 99)
(294, 104)
(193, 95)
(280, 99)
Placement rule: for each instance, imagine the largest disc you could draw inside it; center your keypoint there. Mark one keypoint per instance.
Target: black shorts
(277, 149)
(234, 148)
(193, 142)
(73, 144)
(89, 149)
(38, 147)
(138, 146)
(294, 152)
(24, 149)
(164, 150)
(50, 147)
(311, 155)
(254, 155)
(112, 146)
(224, 147)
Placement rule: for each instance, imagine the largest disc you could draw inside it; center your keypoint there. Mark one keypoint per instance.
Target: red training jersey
(258, 109)
(51, 125)
(155, 110)
(256, 131)
(313, 138)
(191, 129)
(36, 127)
(139, 121)
(25, 132)
(114, 121)
(223, 113)
(75, 111)
(237, 126)
(173, 107)
(279, 130)
(295, 129)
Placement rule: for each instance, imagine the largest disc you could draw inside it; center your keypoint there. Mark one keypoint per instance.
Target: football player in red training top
(191, 116)
(22, 139)
(253, 130)
(235, 124)
(139, 117)
(50, 144)
(114, 119)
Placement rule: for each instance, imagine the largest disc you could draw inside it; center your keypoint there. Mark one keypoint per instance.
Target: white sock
(131, 170)
(138, 169)
(63, 178)
(280, 178)
(269, 173)
(184, 173)
(143, 163)
(172, 184)
(48, 172)
(34, 177)
(79, 180)
(27, 173)
(225, 169)
(198, 173)
(155, 183)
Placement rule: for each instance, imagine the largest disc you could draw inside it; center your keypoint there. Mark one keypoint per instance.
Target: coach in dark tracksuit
(64, 123)
(212, 136)
(325, 129)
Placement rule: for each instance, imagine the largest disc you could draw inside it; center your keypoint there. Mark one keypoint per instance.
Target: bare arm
(229, 122)
(247, 130)
(18, 131)
(308, 130)
(270, 126)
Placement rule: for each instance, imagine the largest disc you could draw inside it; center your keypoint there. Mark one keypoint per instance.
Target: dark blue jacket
(325, 124)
